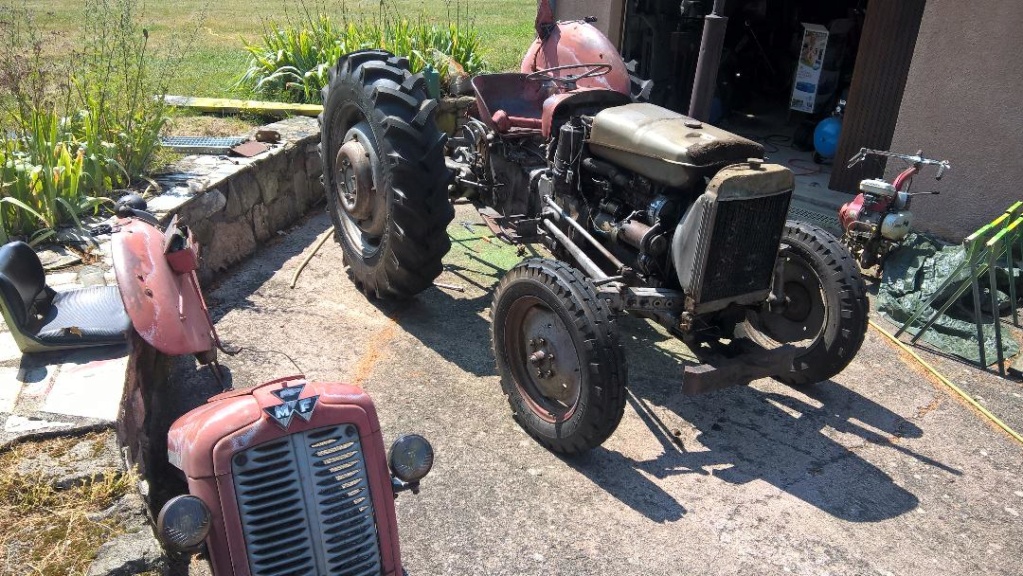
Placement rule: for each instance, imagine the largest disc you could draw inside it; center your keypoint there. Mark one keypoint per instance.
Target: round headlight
(411, 458)
(183, 523)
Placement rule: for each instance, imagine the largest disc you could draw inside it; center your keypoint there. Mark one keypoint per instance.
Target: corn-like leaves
(291, 59)
(41, 178)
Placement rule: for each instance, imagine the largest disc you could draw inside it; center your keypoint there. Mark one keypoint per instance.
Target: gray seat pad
(92, 315)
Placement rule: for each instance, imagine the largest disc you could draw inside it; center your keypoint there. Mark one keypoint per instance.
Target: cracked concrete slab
(876, 471)
(8, 347)
(60, 391)
(10, 389)
(88, 390)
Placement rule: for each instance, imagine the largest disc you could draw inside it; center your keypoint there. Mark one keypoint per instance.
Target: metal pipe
(588, 266)
(992, 267)
(976, 311)
(608, 170)
(705, 81)
(562, 215)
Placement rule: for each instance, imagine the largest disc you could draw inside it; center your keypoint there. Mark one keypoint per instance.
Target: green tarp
(916, 271)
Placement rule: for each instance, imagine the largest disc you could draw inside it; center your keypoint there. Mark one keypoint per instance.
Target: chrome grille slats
(305, 505)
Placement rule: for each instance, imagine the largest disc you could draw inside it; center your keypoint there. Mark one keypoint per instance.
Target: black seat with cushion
(42, 319)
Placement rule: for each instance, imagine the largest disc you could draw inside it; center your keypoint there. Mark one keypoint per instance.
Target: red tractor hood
(202, 441)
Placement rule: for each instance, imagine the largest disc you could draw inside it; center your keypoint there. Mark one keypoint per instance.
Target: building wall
(608, 12)
(964, 103)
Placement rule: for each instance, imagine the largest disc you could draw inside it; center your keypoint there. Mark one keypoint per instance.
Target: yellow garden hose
(987, 413)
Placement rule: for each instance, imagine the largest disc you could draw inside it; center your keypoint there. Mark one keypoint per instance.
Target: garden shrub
(76, 125)
(292, 58)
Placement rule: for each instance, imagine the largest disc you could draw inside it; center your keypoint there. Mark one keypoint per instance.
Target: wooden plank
(882, 66)
(231, 106)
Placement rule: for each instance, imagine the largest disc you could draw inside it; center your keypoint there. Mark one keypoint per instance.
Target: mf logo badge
(292, 405)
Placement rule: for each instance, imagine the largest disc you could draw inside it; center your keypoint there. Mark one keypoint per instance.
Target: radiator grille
(305, 505)
(744, 246)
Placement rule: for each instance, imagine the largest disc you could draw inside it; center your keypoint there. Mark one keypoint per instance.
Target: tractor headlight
(183, 523)
(411, 458)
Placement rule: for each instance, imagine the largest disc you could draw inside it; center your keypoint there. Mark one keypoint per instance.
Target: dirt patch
(213, 126)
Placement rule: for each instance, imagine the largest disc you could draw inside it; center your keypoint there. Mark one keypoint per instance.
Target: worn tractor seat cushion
(85, 316)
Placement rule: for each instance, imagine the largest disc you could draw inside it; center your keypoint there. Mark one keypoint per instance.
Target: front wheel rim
(544, 359)
(360, 205)
(805, 315)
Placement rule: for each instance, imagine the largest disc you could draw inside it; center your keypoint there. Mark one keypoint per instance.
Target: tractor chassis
(723, 367)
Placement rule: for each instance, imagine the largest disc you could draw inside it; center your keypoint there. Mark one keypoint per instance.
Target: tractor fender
(165, 305)
(578, 42)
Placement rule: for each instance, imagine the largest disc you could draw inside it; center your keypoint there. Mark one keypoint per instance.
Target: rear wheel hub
(355, 187)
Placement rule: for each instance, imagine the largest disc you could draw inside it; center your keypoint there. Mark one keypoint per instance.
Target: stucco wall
(608, 13)
(964, 103)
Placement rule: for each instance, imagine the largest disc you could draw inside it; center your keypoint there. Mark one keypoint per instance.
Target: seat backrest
(22, 280)
(511, 93)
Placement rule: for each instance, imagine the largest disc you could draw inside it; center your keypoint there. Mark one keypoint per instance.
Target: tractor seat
(508, 101)
(43, 320)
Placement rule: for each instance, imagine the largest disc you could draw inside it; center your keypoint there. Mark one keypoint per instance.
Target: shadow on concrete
(622, 478)
(786, 439)
(746, 434)
(249, 276)
(456, 328)
(31, 362)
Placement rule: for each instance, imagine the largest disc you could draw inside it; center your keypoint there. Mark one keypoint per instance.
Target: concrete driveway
(876, 472)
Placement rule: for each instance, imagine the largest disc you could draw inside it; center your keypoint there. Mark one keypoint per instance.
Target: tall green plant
(292, 58)
(41, 182)
(120, 92)
(71, 135)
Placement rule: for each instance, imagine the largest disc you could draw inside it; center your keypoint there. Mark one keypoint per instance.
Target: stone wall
(234, 205)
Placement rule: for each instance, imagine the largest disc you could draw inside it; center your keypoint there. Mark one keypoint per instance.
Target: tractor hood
(665, 146)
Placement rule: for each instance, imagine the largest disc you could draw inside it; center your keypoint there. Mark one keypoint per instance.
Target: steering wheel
(592, 71)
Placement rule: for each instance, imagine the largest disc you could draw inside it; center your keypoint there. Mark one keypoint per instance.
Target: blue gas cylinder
(825, 136)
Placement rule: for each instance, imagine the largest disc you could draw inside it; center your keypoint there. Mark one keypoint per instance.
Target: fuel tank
(665, 146)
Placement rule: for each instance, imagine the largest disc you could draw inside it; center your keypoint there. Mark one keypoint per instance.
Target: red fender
(577, 42)
(166, 306)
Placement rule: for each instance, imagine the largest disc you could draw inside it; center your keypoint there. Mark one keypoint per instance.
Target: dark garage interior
(765, 55)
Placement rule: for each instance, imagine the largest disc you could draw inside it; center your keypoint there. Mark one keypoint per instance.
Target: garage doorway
(868, 51)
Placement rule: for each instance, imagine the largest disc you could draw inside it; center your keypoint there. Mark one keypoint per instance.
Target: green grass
(214, 57)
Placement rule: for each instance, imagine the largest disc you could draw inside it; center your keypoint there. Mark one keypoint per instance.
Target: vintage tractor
(290, 477)
(645, 211)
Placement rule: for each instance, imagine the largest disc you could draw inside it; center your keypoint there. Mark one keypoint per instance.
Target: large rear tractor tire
(826, 312)
(384, 174)
(558, 354)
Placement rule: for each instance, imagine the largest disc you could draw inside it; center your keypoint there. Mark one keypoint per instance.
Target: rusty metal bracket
(631, 299)
(722, 372)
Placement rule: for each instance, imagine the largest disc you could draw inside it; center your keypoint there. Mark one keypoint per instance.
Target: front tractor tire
(826, 310)
(384, 174)
(559, 356)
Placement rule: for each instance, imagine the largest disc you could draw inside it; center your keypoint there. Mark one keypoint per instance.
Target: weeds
(292, 58)
(49, 530)
(42, 181)
(119, 93)
(78, 125)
